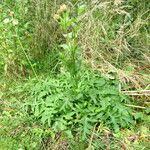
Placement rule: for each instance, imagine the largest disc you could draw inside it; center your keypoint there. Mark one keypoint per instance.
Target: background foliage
(63, 65)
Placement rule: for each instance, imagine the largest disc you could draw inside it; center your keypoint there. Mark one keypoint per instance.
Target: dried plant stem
(137, 93)
(134, 106)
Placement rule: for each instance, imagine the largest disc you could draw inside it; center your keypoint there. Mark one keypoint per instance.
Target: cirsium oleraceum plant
(70, 55)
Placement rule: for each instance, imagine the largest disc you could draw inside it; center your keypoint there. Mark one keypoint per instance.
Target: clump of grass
(46, 32)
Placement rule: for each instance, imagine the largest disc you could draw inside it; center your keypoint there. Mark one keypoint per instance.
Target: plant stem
(27, 57)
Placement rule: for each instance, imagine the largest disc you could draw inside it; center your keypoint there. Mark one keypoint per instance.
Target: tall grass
(115, 39)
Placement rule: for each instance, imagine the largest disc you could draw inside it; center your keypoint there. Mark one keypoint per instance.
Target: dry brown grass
(120, 47)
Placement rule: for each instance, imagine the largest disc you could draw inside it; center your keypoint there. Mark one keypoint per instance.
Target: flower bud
(62, 8)
(56, 17)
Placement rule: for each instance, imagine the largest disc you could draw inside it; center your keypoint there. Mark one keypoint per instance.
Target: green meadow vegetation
(74, 75)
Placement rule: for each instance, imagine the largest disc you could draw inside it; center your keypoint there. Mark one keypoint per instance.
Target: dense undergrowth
(64, 65)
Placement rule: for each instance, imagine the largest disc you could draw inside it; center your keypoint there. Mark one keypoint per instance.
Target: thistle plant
(71, 54)
(73, 104)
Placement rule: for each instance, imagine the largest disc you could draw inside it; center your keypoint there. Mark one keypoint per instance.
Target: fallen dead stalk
(137, 93)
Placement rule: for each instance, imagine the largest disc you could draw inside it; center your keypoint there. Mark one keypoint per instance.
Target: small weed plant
(78, 99)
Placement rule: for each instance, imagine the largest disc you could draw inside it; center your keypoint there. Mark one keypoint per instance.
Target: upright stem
(27, 57)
